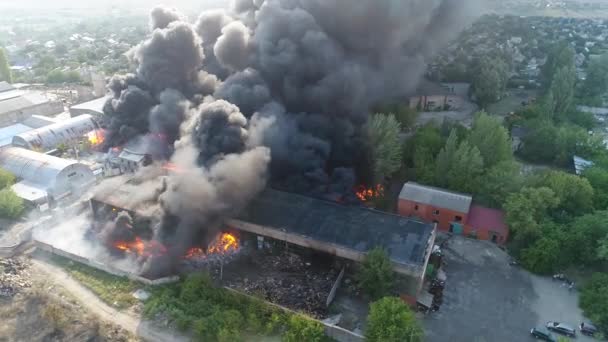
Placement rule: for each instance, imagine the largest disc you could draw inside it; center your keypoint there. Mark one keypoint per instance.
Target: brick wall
(427, 213)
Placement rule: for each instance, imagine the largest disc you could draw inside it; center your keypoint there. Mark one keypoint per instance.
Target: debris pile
(289, 281)
(13, 276)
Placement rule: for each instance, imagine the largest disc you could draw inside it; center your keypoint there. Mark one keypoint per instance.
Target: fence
(103, 267)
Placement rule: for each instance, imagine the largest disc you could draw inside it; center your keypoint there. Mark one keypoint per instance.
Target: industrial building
(452, 212)
(17, 105)
(65, 132)
(343, 231)
(44, 179)
(93, 107)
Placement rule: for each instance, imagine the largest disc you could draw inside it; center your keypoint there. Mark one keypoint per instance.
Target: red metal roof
(489, 219)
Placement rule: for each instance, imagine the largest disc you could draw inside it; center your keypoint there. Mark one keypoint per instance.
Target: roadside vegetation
(391, 320)
(216, 314)
(115, 291)
(11, 206)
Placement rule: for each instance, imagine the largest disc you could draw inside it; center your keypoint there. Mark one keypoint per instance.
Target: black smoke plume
(277, 89)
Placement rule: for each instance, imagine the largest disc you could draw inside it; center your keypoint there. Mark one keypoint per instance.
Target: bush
(390, 320)
(11, 206)
(375, 275)
(594, 300)
(6, 179)
(301, 329)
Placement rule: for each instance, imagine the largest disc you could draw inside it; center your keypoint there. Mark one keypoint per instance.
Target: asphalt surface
(487, 300)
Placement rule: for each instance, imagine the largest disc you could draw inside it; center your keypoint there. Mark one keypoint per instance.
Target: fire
(96, 136)
(141, 247)
(171, 167)
(226, 243)
(367, 194)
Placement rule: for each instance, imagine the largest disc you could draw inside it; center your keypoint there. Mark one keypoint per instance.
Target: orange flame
(96, 136)
(141, 248)
(226, 243)
(171, 167)
(367, 194)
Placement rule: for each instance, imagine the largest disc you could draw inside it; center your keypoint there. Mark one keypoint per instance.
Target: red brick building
(452, 212)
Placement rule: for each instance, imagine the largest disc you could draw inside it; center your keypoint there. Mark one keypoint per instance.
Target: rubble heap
(289, 281)
(14, 276)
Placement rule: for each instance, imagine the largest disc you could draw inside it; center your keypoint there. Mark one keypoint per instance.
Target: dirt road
(135, 325)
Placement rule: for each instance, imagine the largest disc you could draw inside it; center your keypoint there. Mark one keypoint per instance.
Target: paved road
(90, 301)
(485, 299)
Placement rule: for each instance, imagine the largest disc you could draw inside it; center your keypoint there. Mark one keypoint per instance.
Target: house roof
(436, 197)
(581, 164)
(486, 218)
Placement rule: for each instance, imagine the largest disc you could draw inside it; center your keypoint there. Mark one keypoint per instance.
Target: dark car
(588, 329)
(542, 334)
(561, 328)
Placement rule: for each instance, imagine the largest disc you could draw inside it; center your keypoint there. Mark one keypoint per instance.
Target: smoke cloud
(269, 90)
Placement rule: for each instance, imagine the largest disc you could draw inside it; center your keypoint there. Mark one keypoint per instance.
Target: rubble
(14, 276)
(289, 281)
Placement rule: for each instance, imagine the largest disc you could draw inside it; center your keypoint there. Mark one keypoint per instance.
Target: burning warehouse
(342, 231)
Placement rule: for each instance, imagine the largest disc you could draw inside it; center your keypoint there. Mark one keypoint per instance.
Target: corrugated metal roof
(49, 137)
(94, 106)
(436, 197)
(32, 166)
(131, 156)
(7, 133)
(21, 102)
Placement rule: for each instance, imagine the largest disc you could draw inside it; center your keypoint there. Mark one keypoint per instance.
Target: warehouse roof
(91, 107)
(33, 166)
(29, 191)
(21, 102)
(436, 197)
(353, 227)
(7, 133)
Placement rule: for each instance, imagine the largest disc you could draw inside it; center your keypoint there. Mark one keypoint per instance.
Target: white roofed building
(43, 177)
(50, 137)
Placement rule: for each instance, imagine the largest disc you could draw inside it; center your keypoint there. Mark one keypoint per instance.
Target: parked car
(588, 329)
(561, 328)
(542, 334)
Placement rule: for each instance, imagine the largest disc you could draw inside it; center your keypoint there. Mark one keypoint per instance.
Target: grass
(216, 314)
(113, 290)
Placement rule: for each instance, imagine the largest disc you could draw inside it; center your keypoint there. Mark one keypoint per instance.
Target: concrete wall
(426, 213)
(103, 267)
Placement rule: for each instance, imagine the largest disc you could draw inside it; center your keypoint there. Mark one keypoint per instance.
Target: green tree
(596, 83)
(466, 169)
(301, 328)
(560, 55)
(594, 300)
(539, 144)
(602, 249)
(11, 206)
(6, 179)
(445, 160)
(526, 209)
(574, 193)
(543, 256)
(491, 138)
(375, 275)
(598, 178)
(584, 237)
(390, 320)
(5, 70)
(499, 182)
(490, 80)
(386, 150)
(561, 92)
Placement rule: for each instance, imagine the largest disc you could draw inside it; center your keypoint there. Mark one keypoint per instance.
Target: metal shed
(56, 176)
(49, 137)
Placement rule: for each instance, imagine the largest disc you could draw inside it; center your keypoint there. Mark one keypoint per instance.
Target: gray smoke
(284, 85)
